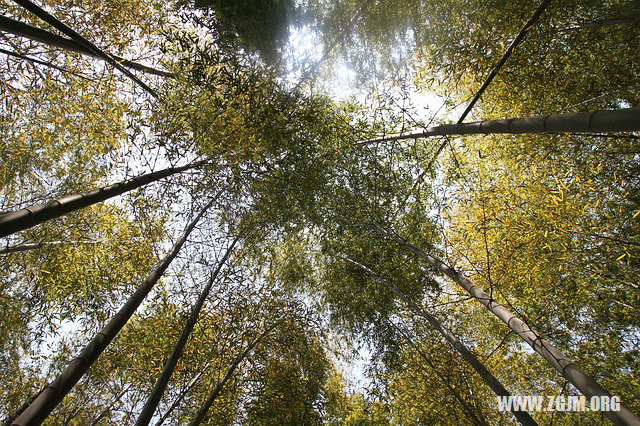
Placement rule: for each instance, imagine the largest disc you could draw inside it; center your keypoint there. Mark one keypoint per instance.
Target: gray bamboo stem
(53, 394)
(26, 218)
(558, 360)
(594, 25)
(9, 420)
(152, 402)
(620, 120)
(491, 381)
(477, 417)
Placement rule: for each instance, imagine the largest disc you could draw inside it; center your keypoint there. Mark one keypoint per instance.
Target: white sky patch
(340, 81)
(354, 371)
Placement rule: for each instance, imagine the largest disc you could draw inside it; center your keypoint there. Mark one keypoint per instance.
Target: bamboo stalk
(556, 358)
(620, 120)
(43, 36)
(26, 218)
(53, 394)
(523, 417)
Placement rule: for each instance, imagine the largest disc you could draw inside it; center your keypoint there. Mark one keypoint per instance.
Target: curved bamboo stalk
(556, 358)
(523, 417)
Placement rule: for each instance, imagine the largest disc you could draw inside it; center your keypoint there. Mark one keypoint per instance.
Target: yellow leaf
(622, 257)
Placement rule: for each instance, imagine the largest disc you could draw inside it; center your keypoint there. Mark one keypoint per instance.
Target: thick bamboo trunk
(43, 36)
(51, 396)
(154, 399)
(26, 218)
(9, 420)
(620, 120)
(491, 381)
(202, 413)
(558, 360)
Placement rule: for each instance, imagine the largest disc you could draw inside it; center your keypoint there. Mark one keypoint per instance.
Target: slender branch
(110, 406)
(202, 413)
(21, 29)
(33, 246)
(307, 74)
(618, 240)
(182, 395)
(44, 63)
(505, 57)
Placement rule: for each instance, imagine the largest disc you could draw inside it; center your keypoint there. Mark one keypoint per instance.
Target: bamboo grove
(205, 220)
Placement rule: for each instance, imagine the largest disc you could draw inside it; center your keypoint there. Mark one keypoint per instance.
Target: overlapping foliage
(547, 225)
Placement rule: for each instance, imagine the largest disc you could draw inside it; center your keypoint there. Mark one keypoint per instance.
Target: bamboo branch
(477, 417)
(202, 413)
(33, 246)
(182, 395)
(51, 20)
